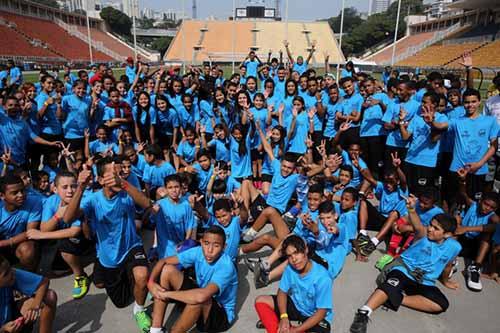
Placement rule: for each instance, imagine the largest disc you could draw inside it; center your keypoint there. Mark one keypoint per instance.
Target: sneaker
(384, 261)
(143, 321)
(360, 241)
(260, 277)
(474, 278)
(80, 287)
(360, 322)
(251, 263)
(247, 236)
(454, 269)
(289, 220)
(259, 325)
(367, 249)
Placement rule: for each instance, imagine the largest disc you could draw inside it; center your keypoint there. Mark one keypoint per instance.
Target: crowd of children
(89, 161)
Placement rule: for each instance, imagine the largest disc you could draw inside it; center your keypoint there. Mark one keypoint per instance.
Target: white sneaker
(474, 278)
(248, 235)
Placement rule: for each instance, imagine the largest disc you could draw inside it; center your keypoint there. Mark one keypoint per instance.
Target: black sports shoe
(260, 277)
(360, 242)
(360, 322)
(367, 249)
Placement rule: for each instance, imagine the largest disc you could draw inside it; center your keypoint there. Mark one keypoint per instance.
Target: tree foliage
(119, 22)
(361, 35)
(161, 44)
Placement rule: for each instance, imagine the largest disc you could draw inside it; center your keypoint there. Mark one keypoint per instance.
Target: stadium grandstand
(473, 27)
(39, 34)
(228, 41)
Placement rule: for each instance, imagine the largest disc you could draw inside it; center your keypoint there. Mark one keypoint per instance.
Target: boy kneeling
(210, 300)
(305, 294)
(411, 280)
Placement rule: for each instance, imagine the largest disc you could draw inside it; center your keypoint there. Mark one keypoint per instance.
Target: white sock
(366, 308)
(138, 308)
(363, 232)
(155, 330)
(375, 241)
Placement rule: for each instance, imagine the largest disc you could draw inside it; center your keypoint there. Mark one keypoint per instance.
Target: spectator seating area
(199, 40)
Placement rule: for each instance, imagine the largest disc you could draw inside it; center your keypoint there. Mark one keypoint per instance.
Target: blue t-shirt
(49, 123)
(371, 122)
(350, 104)
(471, 140)
(203, 176)
(112, 220)
(15, 134)
(310, 292)
(357, 177)
(297, 142)
(144, 116)
(188, 118)
(16, 222)
(233, 233)
(130, 71)
(252, 67)
(474, 218)
(427, 216)
(173, 221)
(394, 138)
(430, 257)
(241, 165)
(50, 207)
(16, 77)
(334, 249)
(187, 151)
(222, 273)
(154, 175)
(282, 188)
(267, 168)
(166, 121)
(390, 201)
(76, 111)
(221, 149)
(300, 68)
(423, 151)
(447, 138)
(25, 283)
(331, 112)
(98, 146)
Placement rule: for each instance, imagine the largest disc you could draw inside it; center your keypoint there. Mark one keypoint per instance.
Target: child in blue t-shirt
(475, 244)
(276, 139)
(111, 216)
(412, 281)
(304, 295)
(188, 148)
(156, 169)
(102, 144)
(214, 289)
(219, 142)
(391, 195)
(18, 214)
(39, 303)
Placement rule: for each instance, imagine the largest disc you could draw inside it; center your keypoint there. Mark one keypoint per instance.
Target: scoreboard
(256, 12)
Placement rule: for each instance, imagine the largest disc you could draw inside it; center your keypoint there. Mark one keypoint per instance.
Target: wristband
(284, 316)
(124, 185)
(57, 217)
(411, 209)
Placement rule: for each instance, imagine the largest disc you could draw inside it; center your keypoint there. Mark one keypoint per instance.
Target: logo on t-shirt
(393, 282)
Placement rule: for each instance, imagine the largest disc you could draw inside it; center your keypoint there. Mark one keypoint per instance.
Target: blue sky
(298, 9)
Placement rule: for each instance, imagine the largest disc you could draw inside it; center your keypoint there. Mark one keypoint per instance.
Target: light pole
(395, 34)
(134, 12)
(340, 39)
(89, 38)
(234, 33)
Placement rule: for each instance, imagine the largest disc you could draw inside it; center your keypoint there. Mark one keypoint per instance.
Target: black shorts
(49, 258)
(255, 155)
(257, 206)
(118, 281)
(470, 246)
(418, 177)
(349, 137)
(266, 178)
(294, 314)
(475, 185)
(165, 141)
(217, 318)
(375, 219)
(397, 284)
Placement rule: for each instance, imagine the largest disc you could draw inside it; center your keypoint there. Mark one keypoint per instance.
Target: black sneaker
(474, 278)
(367, 249)
(360, 241)
(360, 322)
(289, 220)
(260, 277)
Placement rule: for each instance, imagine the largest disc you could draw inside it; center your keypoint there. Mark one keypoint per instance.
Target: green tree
(50, 3)
(161, 44)
(119, 22)
(351, 20)
(145, 23)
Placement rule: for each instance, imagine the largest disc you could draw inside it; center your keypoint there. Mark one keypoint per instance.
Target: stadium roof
(474, 4)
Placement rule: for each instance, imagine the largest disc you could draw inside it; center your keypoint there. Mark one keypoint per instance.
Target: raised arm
(289, 54)
(313, 48)
(420, 230)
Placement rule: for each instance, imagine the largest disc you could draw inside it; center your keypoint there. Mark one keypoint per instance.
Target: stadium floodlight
(135, 6)
(89, 38)
(395, 34)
